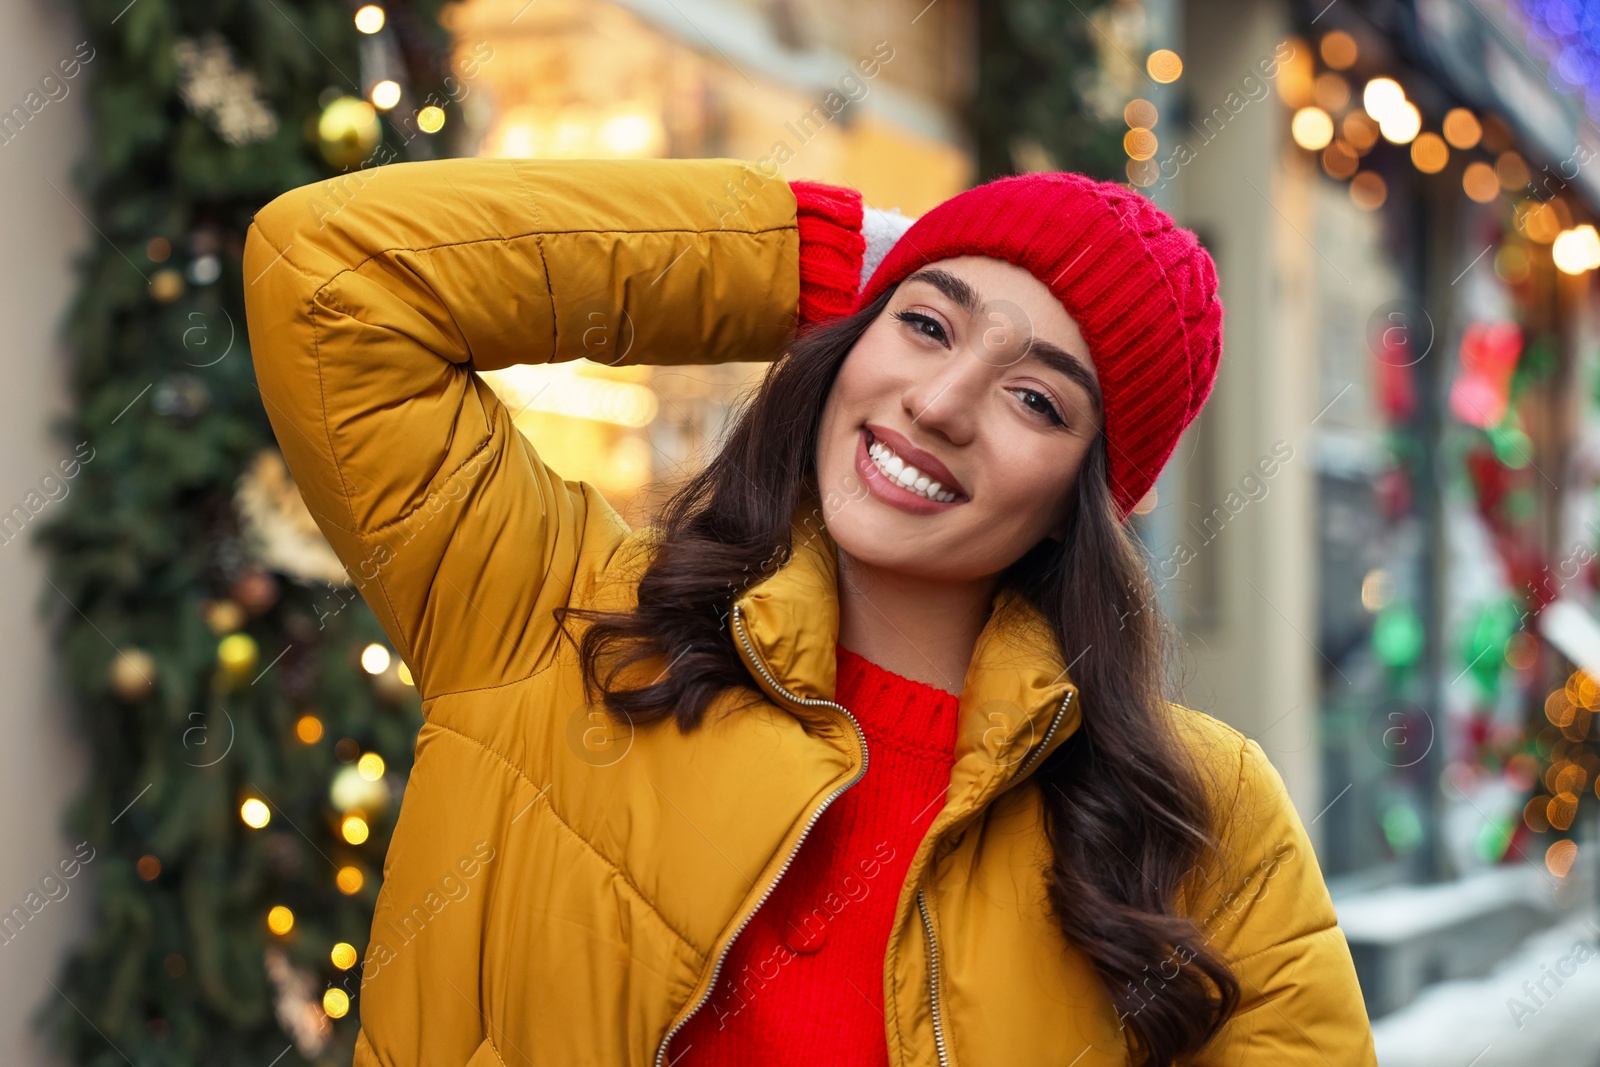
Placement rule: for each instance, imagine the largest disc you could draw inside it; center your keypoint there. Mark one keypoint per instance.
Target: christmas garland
(247, 743)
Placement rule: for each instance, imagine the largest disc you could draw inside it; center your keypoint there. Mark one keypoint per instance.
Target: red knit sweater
(803, 981)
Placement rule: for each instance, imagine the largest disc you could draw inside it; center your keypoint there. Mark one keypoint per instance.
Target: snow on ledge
(1398, 913)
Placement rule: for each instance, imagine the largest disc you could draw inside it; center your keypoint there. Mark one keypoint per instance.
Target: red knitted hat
(1141, 289)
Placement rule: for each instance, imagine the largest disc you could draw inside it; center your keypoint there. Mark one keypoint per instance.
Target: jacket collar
(1017, 703)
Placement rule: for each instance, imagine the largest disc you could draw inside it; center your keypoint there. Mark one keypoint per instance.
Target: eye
(926, 325)
(1043, 407)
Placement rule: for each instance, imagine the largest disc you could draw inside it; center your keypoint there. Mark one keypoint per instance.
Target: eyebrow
(1051, 355)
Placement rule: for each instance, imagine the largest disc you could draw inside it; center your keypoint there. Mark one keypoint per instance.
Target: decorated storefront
(1457, 455)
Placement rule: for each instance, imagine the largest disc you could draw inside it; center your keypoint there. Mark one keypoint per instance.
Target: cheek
(857, 395)
(1026, 490)
(835, 441)
(1029, 475)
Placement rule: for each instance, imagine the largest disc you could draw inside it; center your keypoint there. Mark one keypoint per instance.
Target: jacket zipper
(933, 978)
(927, 922)
(1048, 734)
(755, 661)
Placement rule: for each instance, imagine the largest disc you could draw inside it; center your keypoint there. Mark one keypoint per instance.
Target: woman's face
(975, 375)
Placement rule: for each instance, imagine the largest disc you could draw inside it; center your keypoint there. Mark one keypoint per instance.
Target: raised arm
(372, 302)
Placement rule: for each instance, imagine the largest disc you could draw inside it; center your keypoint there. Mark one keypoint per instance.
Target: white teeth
(905, 475)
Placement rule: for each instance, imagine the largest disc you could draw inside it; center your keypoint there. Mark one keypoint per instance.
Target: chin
(891, 544)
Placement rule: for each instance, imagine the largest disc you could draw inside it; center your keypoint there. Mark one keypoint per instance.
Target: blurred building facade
(863, 96)
(43, 763)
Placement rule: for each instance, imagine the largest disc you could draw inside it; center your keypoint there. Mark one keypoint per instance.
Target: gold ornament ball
(166, 285)
(348, 131)
(133, 673)
(336, 1002)
(237, 654)
(224, 616)
(256, 591)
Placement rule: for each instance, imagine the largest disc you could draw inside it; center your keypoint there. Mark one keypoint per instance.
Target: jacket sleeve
(1264, 908)
(371, 303)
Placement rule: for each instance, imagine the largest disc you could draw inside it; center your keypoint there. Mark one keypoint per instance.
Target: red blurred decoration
(1478, 729)
(1521, 839)
(1491, 479)
(1397, 392)
(1394, 492)
(1482, 390)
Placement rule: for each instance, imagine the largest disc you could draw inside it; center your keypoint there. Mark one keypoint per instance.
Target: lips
(925, 462)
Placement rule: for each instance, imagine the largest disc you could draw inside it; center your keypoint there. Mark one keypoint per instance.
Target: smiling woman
(898, 620)
(1016, 412)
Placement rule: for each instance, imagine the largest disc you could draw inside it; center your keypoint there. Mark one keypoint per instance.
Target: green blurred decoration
(1397, 637)
(1510, 442)
(1402, 824)
(200, 618)
(1484, 642)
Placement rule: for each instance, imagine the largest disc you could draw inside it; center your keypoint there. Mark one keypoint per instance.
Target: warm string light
(353, 828)
(1340, 160)
(1573, 767)
(1383, 98)
(1140, 144)
(1511, 170)
(1384, 111)
(1164, 65)
(1312, 128)
(1569, 710)
(1560, 857)
(255, 813)
(1368, 190)
(370, 18)
(1330, 91)
(1402, 124)
(1140, 113)
(1479, 183)
(385, 94)
(1462, 129)
(1429, 153)
(375, 659)
(1540, 221)
(1577, 250)
(350, 880)
(1360, 131)
(1339, 50)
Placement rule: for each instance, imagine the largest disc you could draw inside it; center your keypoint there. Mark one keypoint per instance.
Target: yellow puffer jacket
(561, 891)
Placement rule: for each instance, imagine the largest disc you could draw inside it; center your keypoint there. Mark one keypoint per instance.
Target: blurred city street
(1378, 542)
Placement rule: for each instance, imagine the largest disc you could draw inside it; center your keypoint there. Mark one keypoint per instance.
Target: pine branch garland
(193, 669)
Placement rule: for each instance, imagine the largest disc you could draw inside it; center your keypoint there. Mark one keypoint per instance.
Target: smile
(893, 480)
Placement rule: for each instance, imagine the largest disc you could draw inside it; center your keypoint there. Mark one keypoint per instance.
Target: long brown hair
(1125, 810)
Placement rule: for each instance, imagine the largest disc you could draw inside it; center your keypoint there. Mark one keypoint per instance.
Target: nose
(946, 401)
